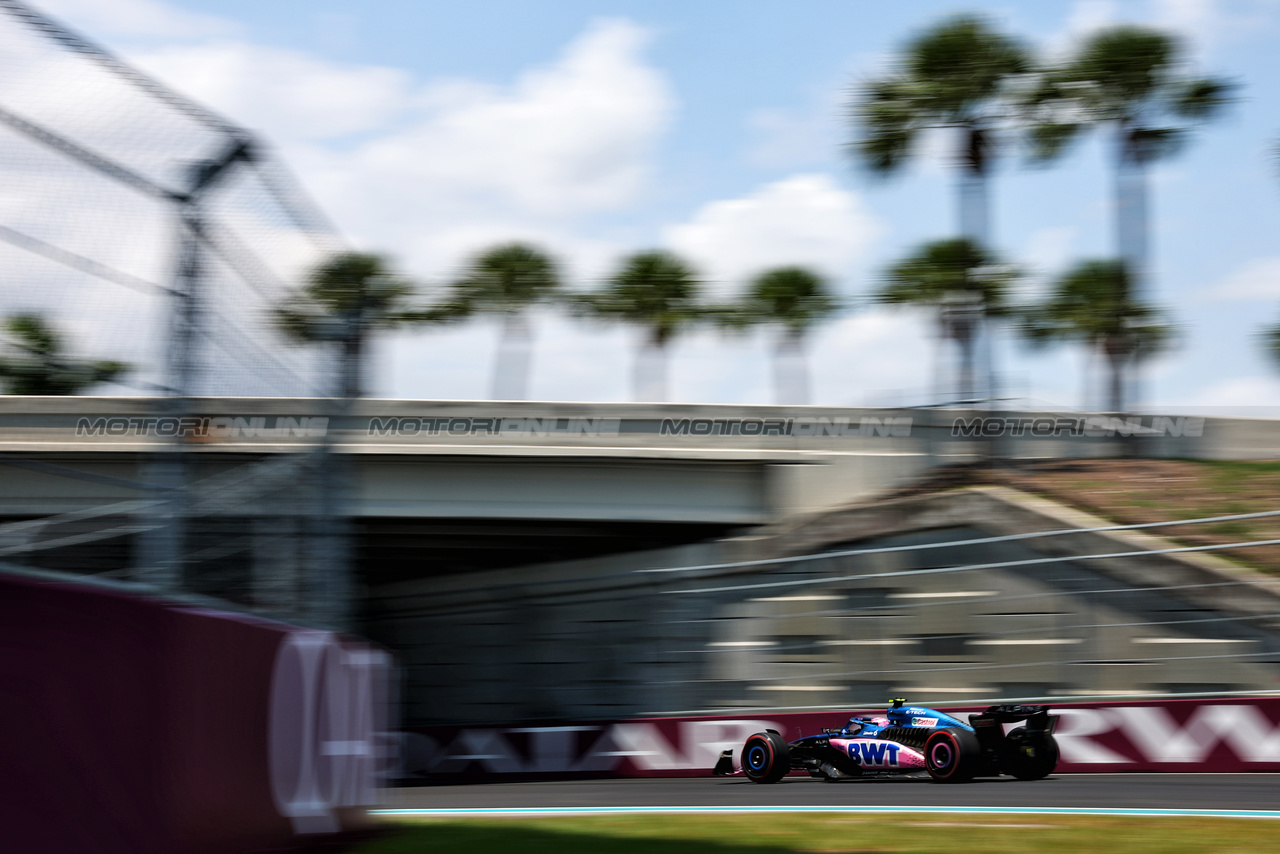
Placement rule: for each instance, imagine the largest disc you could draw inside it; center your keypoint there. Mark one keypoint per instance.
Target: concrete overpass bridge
(453, 486)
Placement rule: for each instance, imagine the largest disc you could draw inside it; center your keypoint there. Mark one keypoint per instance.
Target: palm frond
(1049, 140)
(507, 278)
(795, 297)
(41, 368)
(1146, 145)
(1203, 98)
(1093, 303)
(655, 290)
(1271, 342)
(953, 74)
(352, 286)
(939, 271)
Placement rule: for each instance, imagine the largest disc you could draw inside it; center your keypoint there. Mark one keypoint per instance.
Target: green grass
(1145, 503)
(1237, 467)
(1231, 529)
(780, 833)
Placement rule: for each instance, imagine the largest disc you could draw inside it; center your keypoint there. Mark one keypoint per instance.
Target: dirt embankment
(1139, 491)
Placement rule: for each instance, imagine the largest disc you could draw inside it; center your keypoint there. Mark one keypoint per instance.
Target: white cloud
(427, 171)
(805, 219)
(468, 164)
(432, 171)
(1258, 279)
(572, 137)
(137, 18)
(286, 94)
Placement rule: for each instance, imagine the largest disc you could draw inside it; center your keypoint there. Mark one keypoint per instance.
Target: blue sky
(431, 129)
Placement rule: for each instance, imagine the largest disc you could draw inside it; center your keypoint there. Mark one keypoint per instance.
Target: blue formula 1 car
(906, 739)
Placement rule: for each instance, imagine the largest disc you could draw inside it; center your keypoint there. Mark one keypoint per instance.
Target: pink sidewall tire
(952, 755)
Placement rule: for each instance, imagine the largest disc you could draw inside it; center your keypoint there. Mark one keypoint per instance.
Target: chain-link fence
(146, 243)
(100, 167)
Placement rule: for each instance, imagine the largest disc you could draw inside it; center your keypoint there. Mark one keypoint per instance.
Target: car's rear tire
(1029, 754)
(765, 757)
(952, 755)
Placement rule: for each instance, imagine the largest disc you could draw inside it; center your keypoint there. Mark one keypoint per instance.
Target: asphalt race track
(1132, 791)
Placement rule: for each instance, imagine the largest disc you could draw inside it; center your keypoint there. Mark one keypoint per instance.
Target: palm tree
(794, 298)
(953, 76)
(346, 297)
(506, 280)
(1094, 303)
(655, 290)
(1131, 80)
(964, 283)
(1271, 342)
(41, 367)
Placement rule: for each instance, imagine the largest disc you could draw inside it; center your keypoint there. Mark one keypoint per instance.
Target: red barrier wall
(132, 724)
(1204, 735)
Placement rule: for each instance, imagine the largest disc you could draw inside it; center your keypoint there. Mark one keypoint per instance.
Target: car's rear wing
(1037, 717)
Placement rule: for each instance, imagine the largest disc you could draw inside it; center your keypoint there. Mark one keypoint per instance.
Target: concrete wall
(614, 637)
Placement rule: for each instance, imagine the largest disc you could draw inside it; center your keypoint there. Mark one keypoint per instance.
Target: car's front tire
(952, 755)
(765, 757)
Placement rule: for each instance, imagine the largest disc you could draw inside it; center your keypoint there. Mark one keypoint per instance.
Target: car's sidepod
(875, 754)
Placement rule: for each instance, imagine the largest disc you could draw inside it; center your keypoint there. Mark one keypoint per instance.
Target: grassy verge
(832, 833)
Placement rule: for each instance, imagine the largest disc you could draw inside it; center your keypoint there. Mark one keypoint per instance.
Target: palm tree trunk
(511, 368)
(650, 372)
(974, 209)
(975, 224)
(352, 367)
(1131, 211)
(1116, 362)
(940, 384)
(964, 341)
(790, 373)
(989, 359)
(1131, 218)
(1086, 379)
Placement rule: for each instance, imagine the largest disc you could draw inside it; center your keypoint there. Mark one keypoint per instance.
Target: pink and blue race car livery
(909, 738)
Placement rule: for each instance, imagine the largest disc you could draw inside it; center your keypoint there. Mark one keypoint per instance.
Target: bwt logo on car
(875, 754)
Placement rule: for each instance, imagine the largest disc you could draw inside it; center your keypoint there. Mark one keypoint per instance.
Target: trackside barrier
(147, 726)
(1186, 735)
